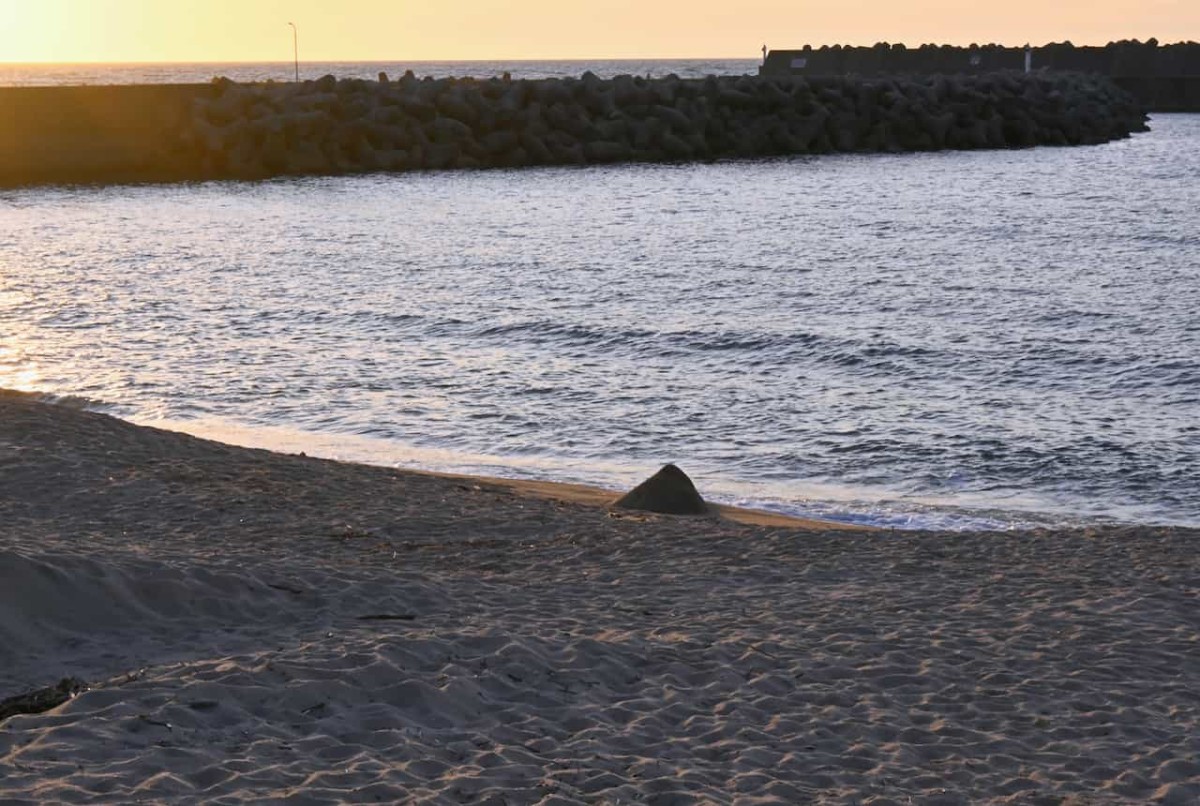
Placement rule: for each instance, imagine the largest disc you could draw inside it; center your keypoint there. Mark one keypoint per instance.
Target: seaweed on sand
(43, 699)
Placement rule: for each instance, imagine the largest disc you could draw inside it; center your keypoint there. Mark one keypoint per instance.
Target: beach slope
(254, 626)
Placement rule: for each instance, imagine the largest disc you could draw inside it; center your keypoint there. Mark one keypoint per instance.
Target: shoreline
(585, 493)
(853, 507)
(240, 625)
(570, 493)
(942, 514)
(599, 497)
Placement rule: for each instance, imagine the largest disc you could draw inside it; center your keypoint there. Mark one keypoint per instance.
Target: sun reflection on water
(18, 372)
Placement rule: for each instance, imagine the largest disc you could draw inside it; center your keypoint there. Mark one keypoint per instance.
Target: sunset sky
(397, 30)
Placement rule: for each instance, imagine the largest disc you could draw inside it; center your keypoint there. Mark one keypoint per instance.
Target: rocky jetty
(330, 126)
(1163, 78)
(1127, 58)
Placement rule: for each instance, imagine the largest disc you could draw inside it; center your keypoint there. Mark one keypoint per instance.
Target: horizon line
(400, 60)
(393, 60)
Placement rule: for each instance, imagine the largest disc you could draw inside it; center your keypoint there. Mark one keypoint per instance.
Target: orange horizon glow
(217, 31)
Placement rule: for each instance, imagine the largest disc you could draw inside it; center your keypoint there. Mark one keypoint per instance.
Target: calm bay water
(948, 340)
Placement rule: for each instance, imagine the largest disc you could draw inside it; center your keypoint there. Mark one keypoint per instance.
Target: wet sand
(258, 626)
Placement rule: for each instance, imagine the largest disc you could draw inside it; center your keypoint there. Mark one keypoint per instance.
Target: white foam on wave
(82, 402)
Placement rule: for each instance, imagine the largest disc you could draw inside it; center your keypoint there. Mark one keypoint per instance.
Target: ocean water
(32, 75)
(952, 340)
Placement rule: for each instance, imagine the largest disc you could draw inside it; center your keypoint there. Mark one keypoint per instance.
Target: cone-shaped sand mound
(669, 491)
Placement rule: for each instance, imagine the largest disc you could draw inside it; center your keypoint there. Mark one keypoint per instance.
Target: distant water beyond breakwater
(229, 130)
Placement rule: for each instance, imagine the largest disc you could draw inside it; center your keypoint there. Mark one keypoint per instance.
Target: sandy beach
(260, 627)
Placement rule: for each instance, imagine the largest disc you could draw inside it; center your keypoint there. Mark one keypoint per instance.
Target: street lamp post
(296, 49)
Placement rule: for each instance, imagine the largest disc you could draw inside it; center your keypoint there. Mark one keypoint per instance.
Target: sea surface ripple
(956, 340)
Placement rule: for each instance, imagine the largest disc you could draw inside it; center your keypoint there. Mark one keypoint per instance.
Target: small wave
(79, 402)
(541, 330)
(665, 342)
(791, 346)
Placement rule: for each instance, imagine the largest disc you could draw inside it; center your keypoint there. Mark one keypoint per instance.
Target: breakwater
(1164, 78)
(227, 130)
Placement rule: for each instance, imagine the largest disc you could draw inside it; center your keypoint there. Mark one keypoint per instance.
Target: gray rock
(678, 121)
(441, 155)
(536, 150)
(417, 107)
(553, 91)
(455, 105)
(306, 158)
(448, 130)
(676, 147)
(669, 491)
(499, 142)
(601, 151)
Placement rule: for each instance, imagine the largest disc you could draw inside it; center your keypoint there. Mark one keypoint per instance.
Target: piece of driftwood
(42, 700)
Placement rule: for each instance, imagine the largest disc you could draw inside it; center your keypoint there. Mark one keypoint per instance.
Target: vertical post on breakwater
(296, 49)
